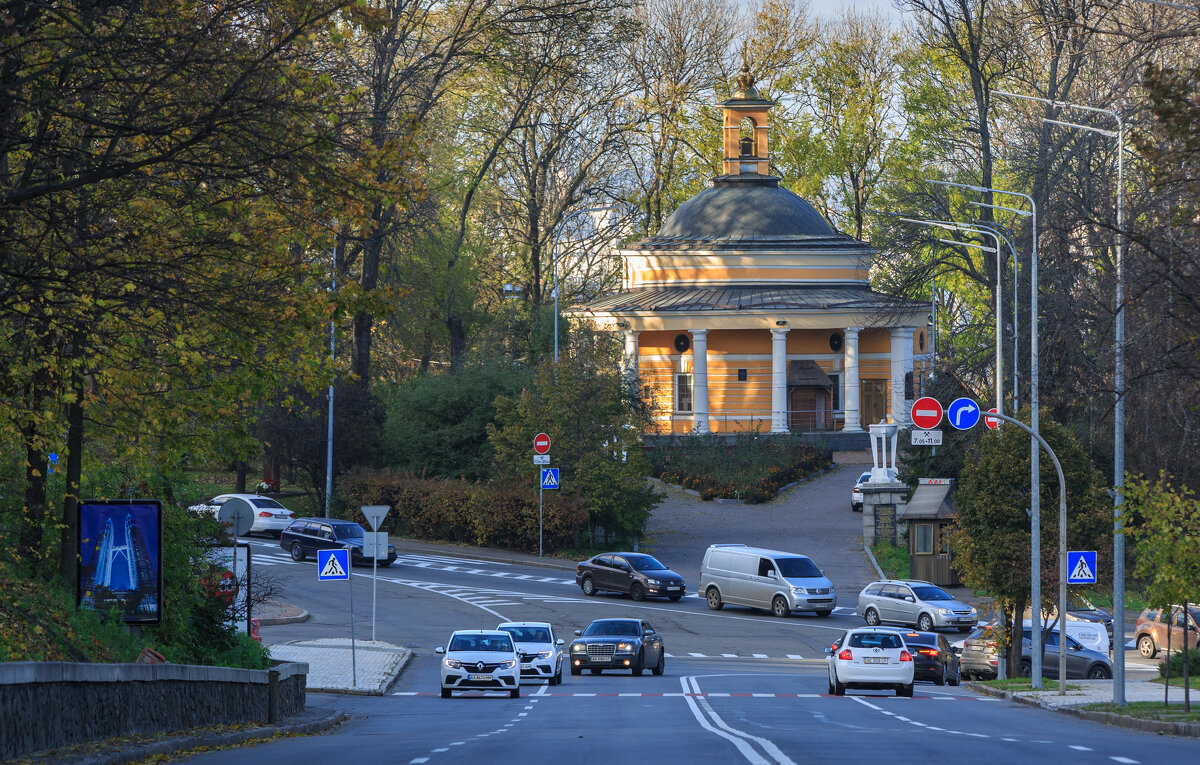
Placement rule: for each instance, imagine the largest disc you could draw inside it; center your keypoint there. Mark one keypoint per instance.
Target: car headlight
(653, 581)
(452, 663)
(545, 654)
(509, 664)
(625, 647)
(945, 611)
(973, 612)
(799, 590)
(577, 648)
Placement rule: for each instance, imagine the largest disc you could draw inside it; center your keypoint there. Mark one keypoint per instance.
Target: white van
(1091, 635)
(775, 581)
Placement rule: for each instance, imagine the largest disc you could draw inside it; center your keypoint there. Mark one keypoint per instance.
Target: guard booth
(929, 517)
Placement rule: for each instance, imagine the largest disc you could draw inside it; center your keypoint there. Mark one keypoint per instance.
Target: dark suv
(634, 574)
(307, 535)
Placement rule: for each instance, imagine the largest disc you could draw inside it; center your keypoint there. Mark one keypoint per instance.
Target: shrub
(1173, 666)
(752, 468)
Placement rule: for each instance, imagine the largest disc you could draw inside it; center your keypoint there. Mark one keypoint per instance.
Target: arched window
(746, 137)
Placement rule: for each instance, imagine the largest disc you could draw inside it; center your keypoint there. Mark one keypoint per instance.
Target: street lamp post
(1118, 377)
(1035, 564)
(554, 261)
(1008, 237)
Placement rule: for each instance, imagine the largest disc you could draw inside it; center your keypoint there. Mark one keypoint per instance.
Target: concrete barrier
(46, 705)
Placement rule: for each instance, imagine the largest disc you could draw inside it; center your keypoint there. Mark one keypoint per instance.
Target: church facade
(748, 311)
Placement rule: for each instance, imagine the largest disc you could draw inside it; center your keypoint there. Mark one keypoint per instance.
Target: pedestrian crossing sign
(1081, 567)
(549, 478)
(333, 564)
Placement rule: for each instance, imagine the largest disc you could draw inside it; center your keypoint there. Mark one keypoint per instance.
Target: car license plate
(874, 660)
(601, 658)
(479, 677)
(281, 515)
(526, 665)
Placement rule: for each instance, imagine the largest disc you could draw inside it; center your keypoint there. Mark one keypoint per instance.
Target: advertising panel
(120, 558)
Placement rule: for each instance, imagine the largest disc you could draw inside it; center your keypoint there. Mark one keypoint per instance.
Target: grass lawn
(1023, 684)
(1151, 710)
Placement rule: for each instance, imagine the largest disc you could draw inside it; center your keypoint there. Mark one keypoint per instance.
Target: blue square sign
(549, 478)
(1081, 567)
(333, 564)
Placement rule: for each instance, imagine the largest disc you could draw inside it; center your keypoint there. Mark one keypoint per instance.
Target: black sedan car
(634, 574)
(307, 535)
(618, 644)
(934, 659)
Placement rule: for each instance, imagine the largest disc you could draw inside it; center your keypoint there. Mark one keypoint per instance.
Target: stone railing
(46, 705)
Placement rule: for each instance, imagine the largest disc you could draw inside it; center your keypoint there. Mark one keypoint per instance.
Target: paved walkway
(336, 666)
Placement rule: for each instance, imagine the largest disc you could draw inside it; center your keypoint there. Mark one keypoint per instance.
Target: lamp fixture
(623, 324)
(781, 323)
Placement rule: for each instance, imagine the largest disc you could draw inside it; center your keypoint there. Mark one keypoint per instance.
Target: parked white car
(856, 497)
(870, 657)
(270, 517)
(481, 660)
(540, 652)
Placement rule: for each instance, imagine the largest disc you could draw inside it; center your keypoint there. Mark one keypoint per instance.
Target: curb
(1191, 730)
(270, 621)
(405, 657)
(325, 721)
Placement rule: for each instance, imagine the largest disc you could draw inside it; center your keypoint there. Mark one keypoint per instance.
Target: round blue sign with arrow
(963, 413)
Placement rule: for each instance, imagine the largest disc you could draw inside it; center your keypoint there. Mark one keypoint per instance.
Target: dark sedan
(634, 574)
(307, 535)
(618, 644)
(934, 659)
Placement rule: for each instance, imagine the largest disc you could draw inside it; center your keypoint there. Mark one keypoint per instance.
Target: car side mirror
(578, 632)
(956, 649)
(828, 650)
(909, 599)
(560, 642)
(439, 649)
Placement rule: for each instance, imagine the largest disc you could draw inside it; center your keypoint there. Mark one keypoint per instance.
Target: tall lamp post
(1118, 378)
(1035, 564)
(554, 260)
(1008, 237)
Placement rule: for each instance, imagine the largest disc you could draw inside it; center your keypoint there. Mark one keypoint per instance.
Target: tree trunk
(69, 540)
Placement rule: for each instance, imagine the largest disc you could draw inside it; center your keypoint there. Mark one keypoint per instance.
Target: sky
(826, 8)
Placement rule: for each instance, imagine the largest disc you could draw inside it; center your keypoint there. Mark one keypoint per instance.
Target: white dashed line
(1124, 760)
(1077, 747)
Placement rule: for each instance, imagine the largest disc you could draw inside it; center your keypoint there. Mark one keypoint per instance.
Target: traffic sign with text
(926, 413)
(926, 437)
(541, 459)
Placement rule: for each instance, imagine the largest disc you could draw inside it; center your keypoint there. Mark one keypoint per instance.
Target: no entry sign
(926, 413)
(541, 443)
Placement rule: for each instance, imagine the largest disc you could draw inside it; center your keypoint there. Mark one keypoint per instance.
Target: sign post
(541, 448)
(333, 565)
(374, 515)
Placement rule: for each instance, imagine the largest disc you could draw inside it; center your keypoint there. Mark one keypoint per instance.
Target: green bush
(1173, 666)
(893, 559)
(752, 467)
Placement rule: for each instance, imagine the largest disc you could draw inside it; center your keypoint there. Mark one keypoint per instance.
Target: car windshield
(481, 643)
(267, 503)
(644, 563)
(864, 478)
(528, 634)
(606, 628)
(797, 568)
(348, 531)
(932, 593)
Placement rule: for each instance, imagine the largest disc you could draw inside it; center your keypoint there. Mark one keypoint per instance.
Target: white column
(901, 356)
(700, 380)
(850, 387)
(631, 357)
(779, 413)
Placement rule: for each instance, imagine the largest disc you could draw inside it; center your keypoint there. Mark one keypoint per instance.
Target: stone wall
(45, 705)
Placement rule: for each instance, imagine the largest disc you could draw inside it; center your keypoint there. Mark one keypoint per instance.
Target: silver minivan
(779, 582)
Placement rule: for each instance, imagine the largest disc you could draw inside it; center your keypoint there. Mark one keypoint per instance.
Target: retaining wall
(46, 705)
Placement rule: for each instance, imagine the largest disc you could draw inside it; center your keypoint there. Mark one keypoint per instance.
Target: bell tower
(746, 128)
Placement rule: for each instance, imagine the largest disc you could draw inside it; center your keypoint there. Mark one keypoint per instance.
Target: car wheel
(957, 679)
(674, 597)
(779, 606)
(637, 592)
(925, 623)
(830, 687)
(596, 671)
(576, 670)
(940, 679)
(871, 617)
(905, 691)
(515, 693)
(445, 693)
(839, 688)
(1026, 668)
(1098, 672)
(557, 679)
(713, 596)
(662, 664)
(588, 586)
(1146, 647)
(637, 665)
(297, 551)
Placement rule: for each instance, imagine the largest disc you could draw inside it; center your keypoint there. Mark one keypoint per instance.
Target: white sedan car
(270, 517)
(540, 652)
(870, 657)
(480, 660)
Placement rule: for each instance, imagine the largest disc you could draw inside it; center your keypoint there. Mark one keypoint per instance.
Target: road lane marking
(712, 722)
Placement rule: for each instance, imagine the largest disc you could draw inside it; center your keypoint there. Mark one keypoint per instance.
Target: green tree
(992, 532)
(595, 426)
(1165, 531)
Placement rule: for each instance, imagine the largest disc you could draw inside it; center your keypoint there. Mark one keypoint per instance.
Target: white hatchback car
(541, 654)
(870, 657)
(480, 660)
(270, 517)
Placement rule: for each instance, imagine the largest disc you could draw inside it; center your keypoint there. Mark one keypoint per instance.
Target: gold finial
(745, 82)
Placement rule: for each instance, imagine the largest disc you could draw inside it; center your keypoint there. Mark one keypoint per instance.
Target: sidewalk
(334, 666)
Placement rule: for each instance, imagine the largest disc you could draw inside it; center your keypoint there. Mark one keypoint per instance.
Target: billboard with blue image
(120, 558)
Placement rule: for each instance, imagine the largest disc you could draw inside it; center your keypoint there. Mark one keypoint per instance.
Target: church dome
(746, 209)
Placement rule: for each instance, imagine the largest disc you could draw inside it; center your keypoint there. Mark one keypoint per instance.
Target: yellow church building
(748, 311)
